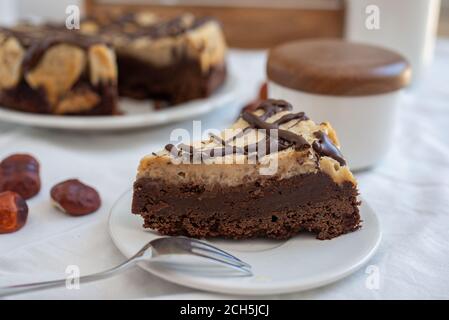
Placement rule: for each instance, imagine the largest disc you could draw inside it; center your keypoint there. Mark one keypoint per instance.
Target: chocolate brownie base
(276, 209)
(175, 84)
(23, 98)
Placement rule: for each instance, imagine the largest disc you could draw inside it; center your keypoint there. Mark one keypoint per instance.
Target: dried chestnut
(75, 198)
(20, 173)
(263, 91)
(13, 212)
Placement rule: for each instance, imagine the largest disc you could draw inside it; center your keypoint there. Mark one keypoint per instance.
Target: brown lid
(337, 67)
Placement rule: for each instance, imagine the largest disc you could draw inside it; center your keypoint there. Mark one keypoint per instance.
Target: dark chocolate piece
(324, 147)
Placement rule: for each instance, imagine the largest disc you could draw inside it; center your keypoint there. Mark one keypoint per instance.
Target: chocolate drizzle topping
(324, 147)
(291, 116)
(286, 139)
(38, 49)
(271, 107)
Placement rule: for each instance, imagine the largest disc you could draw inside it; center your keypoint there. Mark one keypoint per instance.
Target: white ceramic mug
(364, 124)
(406, 26)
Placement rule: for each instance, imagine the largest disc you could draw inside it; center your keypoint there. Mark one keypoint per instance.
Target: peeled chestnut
(263, 91)
(13, 212)
(20, 173)
(75, 198)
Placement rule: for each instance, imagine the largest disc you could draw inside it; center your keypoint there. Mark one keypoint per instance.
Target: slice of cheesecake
(273, 174)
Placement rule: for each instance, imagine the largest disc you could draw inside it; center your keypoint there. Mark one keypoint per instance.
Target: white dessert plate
(300, 263)
(136, 114)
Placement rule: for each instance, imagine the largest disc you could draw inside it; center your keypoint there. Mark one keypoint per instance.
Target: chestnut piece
(75, 198)
(13, 212)
(263, 91)
(20, 173)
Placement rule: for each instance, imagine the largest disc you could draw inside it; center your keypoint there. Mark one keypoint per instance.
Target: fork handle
(30, 287)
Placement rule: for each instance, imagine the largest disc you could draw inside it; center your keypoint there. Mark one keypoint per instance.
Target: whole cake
(273, 174)
(174, 60)
(45, 71)
(50, 69)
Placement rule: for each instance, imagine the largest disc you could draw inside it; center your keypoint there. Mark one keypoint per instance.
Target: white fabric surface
(409, 190)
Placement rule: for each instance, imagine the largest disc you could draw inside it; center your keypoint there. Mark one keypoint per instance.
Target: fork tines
(206, 250)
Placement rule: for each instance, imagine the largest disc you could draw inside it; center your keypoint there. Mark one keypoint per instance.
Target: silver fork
(157, 247)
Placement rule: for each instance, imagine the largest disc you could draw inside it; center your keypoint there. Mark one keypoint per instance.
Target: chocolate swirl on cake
(286, 139)
(271, 107)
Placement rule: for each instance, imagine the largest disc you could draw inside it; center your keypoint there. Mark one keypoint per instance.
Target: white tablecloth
(409, 190)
